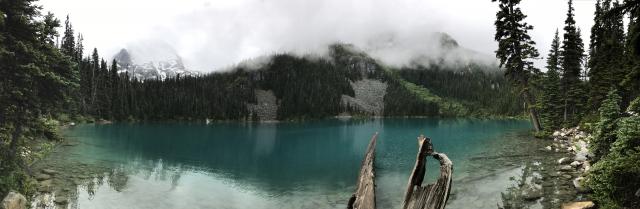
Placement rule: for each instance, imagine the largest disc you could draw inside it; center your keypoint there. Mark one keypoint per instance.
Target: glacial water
(278, 165)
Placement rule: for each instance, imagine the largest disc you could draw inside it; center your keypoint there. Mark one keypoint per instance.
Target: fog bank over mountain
(212, 34)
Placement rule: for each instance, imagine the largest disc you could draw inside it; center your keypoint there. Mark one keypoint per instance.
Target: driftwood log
(432, 196)
(365, 196)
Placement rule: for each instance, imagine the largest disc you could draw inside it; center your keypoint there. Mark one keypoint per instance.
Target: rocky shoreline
(554, 176)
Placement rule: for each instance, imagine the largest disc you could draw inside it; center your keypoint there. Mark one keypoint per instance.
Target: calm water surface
(275, 165)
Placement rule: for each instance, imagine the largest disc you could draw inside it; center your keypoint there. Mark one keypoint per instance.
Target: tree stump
(432, 196)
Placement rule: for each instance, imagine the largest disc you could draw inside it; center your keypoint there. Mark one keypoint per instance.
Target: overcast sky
(211, 34)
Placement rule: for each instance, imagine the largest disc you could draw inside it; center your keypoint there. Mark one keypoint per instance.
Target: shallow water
(279, 165)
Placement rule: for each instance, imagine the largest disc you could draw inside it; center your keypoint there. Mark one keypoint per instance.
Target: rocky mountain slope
(160, 69)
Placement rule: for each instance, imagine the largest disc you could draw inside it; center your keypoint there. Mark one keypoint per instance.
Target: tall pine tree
(550, 102)
(607, 60)
(516, 50)
(572, 57)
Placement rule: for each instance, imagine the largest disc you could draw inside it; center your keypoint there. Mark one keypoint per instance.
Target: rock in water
(566, 168)
(532, 193)
(49, 171)
(578, 205)
(42, 177)
(14, 201)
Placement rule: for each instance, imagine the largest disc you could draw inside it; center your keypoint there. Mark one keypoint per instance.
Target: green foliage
(407, 99)
(474, 91)
(572, 57)
(516, 50)
(13, 178)
(550, 102)
(605, 129)
(616, 177)
(306, 88)
(607, 53)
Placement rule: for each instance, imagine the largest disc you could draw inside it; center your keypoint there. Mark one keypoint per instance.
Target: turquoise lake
(281, 165)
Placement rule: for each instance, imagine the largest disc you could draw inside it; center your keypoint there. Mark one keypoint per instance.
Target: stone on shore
(14, 201)
(564, 161)
(578, 205)
(566, 168)
(578, 183)
(575, 164)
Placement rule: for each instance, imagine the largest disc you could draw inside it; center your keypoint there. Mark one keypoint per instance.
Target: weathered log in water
(365, 195)
(432, 196)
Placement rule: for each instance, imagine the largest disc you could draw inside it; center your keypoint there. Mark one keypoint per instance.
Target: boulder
(548, 148)
(578, 183)
(575, 164)
(578, 205)
(14, 201)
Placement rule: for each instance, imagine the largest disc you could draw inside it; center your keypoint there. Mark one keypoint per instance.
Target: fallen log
(431, 196)
(365, 195)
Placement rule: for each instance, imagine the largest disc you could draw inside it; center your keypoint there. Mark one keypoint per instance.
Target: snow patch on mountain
(146, 60)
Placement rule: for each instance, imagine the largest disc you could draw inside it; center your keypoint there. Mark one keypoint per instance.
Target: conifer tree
(516, 50)
(35, 78)
(605, 130)
(607, 60)
(551, 102)
(571, 58)
(68, 46)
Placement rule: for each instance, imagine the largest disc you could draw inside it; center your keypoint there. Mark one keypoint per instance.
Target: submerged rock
(49, 171)
(563, 161)
(14, 200)
(578, 205)
(45, 186)
(532, 193)
(43, 177)
(566, 168)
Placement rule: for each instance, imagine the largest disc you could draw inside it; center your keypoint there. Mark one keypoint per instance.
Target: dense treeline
(480, 88)
(36, 82)
(603, 97)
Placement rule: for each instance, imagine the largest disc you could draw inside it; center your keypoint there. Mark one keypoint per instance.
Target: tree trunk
(432, 196)
(533, 114)
(365, 195)
(15, 137)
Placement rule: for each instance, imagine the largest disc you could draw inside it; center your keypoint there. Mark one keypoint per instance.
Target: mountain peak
(145, 61)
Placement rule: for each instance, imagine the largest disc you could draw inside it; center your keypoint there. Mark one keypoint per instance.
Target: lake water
(277, 165)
